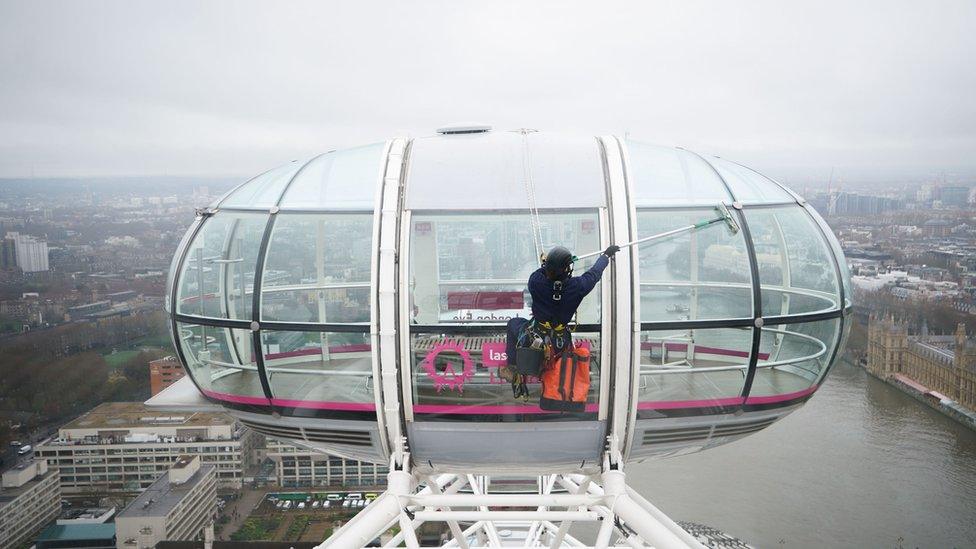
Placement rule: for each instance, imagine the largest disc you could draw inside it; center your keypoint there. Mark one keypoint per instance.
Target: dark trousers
(515, 330)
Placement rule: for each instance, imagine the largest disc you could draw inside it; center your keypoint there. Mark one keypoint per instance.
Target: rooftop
(77, 532)
(128, 415)
(162, 495)
(9, 494)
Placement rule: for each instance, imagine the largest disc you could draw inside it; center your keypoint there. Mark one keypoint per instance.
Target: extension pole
(699, 225)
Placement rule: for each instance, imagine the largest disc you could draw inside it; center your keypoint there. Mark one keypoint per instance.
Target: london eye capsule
(356, 302)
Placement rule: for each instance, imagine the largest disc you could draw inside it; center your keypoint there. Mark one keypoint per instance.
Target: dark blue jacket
(546, 309)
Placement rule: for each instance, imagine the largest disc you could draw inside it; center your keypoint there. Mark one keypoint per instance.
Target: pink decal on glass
(493, 354)
(449, 378)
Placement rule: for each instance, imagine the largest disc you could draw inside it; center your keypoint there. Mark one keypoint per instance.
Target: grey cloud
(878, 88)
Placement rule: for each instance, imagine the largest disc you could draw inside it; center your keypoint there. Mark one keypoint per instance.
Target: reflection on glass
(793, 356)
(262, 191)
(457, 376)
(473, 267)
(487, 171)
(795, 266)
(665, 176)
(845, 270)
(338, 180)
(695, 367)
(318, 369)
(318, 269)
(748, 186)
(218, 273)
(702, 274)
(221, 361)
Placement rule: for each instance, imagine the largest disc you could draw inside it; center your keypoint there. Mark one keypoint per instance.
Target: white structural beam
(385, 298)
(623, 359)
(478, 518)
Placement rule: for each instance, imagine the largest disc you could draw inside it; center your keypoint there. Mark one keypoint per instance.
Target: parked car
(315, 504)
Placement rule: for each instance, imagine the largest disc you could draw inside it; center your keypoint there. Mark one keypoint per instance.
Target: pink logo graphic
(449, 377)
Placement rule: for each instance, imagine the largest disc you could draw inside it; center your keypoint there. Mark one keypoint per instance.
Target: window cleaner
(556, 295)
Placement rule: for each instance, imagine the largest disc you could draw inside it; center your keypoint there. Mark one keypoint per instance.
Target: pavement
(239, 509)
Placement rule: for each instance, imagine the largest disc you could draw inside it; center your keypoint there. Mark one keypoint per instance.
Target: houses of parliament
(944, 364)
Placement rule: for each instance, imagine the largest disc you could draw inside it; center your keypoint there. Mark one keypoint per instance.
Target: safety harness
(538, 343)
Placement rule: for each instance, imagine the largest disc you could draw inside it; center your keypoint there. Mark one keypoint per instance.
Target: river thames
(861, 465)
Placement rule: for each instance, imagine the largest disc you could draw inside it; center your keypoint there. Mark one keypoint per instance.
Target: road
(239, 509)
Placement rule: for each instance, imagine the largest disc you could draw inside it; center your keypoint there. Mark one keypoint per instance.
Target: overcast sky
(232, 88)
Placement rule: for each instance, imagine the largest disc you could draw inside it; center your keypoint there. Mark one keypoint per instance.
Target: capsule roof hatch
(463, 128)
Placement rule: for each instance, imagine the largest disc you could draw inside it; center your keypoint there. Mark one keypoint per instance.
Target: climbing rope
(535, 220)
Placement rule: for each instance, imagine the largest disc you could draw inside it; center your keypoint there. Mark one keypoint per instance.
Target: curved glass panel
(796, 268)
(221, 361)
(692, 368)
(792, 359)
(174, 267)
(473, 268)
(748, 186)
(340, 180)
(319, 370)
(217, 277)
(701, 274)
(663, 176)
(489, 171)
(264, 190)
(317, 268)
(845, 270)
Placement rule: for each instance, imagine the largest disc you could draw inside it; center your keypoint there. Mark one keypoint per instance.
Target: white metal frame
(476, 517)
(389, 411)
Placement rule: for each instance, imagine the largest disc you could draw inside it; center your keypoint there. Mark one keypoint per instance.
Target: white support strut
(477, 518)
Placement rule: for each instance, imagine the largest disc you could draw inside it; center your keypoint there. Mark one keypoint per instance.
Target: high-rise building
(29, 499)
(301, 467)
(954, 196)
(8, 254)
(177, 507)
(163, 373)
(125, 446)
(31, 253)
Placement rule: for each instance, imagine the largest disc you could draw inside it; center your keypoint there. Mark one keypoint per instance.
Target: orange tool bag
(566, 381)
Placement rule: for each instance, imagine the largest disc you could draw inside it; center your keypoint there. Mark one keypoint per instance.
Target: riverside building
(125, 447)
(944, 364)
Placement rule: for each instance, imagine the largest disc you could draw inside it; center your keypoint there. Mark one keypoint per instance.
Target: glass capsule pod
(356, 302)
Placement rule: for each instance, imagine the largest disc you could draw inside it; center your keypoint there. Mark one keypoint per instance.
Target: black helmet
(558, 262)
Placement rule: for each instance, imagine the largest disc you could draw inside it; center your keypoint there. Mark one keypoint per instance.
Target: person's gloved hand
(612, 249)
